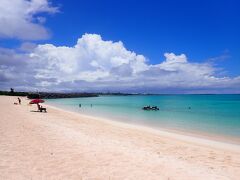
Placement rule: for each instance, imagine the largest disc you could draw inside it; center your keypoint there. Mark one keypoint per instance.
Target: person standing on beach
(19, 101)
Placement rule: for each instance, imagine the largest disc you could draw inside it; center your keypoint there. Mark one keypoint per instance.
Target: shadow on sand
(36, 111)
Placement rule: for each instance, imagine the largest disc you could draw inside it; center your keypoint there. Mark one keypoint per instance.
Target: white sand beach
(66, 145)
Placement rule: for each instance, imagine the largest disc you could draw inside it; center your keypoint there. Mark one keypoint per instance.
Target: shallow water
(211, 114)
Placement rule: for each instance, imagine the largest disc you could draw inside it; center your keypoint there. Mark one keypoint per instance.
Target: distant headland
(53, 95)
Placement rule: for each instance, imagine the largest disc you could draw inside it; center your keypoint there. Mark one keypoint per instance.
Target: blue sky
(205, 31)
(200, 29)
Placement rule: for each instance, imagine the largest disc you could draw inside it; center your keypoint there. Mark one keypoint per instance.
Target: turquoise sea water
(211, 114)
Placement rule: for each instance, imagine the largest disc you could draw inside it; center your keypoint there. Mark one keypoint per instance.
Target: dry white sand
(66, 145)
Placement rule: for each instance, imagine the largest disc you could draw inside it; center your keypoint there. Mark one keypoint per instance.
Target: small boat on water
(154, 108)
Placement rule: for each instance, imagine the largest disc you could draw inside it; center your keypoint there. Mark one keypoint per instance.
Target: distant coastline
(48, 95)
(55, 95)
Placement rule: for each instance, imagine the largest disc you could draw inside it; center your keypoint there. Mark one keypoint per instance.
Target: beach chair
(41, 109)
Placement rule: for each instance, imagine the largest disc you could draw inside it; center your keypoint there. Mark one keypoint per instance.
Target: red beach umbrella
(36, 101)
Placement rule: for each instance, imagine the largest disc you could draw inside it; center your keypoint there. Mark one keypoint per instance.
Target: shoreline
(62, 144)
(181, 134)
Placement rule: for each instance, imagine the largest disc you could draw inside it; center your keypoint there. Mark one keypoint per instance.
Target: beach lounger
(41, 109)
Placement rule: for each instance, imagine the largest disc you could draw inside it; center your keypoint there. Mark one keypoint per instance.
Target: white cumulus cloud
(90, 59)
(19, 19)
(94, 64)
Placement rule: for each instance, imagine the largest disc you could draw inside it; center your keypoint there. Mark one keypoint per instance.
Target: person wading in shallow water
(19, 100)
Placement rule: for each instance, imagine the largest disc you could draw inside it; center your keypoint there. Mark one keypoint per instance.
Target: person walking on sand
(19, 100)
